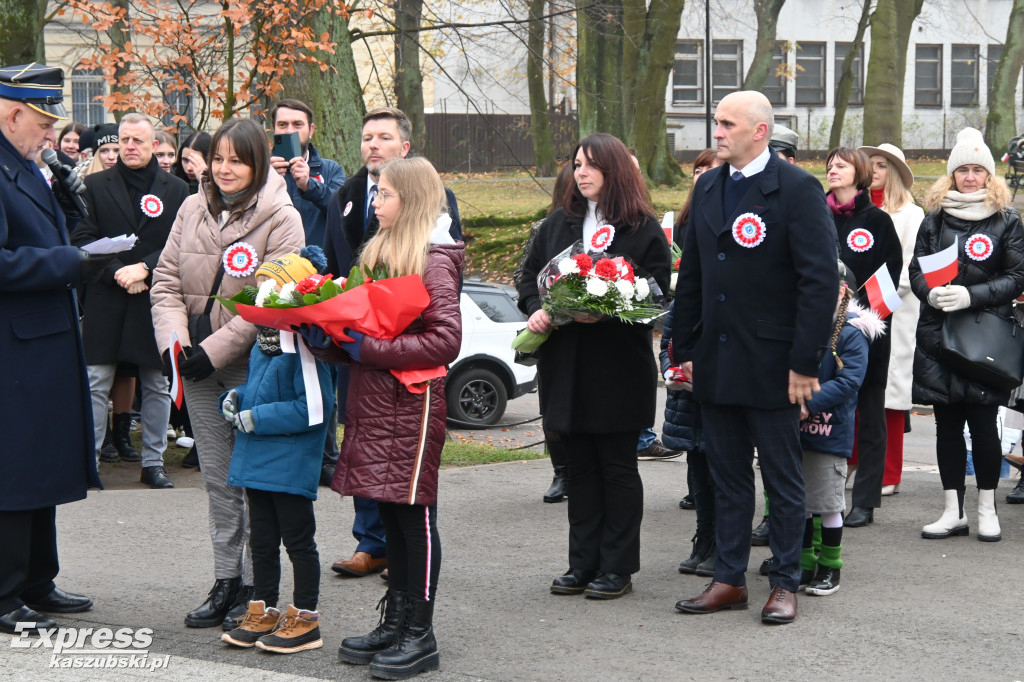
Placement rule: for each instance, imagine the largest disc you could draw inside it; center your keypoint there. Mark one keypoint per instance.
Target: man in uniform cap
(48, 458)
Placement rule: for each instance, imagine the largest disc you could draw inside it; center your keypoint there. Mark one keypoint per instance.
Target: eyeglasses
(383, 196)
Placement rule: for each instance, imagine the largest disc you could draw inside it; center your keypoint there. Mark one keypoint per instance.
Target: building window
(86, 86)
(928, 76)
(810, 74)
(963, 76)
(775, 83)
(726, 68)
(179, 102)
(688, 73)
(857, 91)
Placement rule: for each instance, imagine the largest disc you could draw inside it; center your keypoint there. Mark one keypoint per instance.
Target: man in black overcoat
(48, 456)
(351, 222)
(755, 297)
(134, 197)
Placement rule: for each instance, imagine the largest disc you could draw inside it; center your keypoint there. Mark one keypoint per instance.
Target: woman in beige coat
(891, 181)
(240, 218)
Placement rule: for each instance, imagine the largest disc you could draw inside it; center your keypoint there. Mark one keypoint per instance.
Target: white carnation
(286, 292)
(265, 289)
(625, 288)
(568, 266)
(596, 286)
(643, 290)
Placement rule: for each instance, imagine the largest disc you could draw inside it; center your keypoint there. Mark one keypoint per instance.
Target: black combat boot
(212, 611)
(361, 650)
(123, 439)
(415, 650)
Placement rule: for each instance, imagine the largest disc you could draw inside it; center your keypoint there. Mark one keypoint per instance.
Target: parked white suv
(485, 377)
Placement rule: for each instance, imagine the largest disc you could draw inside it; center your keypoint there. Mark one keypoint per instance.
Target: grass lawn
(497, 211)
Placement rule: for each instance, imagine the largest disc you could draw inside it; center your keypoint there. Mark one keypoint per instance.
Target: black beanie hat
(106, 133)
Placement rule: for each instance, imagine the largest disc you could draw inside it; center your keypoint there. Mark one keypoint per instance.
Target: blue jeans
(647, 438)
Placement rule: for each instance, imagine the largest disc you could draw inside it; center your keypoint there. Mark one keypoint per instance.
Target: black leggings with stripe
(413, 548)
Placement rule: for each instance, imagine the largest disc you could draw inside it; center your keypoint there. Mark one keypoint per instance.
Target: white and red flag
(882, 293)
(177, 390)
(940, 268)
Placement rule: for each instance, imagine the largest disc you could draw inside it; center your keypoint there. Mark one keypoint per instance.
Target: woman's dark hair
(623, 199)
(856, 158)
(562, 184)
(76, 128)
(197, 141)
(707, 160)
(249, 141)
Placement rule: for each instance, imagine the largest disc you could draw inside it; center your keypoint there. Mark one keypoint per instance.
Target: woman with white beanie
(891, 180)
(969, 206)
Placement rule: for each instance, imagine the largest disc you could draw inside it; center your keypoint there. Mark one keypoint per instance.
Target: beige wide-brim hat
(895, 156)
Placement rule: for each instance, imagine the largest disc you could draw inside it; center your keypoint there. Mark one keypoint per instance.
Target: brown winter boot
(299, 631)
(258, 621)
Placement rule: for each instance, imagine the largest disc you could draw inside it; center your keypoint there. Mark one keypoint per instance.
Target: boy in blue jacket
(826, 435)
(277, 460)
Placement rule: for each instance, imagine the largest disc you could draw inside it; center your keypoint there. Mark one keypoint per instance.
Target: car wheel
(476, 397)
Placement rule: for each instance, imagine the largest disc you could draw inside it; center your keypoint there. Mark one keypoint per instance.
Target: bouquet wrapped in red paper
(371, 303)
(575, 284)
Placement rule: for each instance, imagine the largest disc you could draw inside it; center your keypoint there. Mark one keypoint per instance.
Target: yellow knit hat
(291, 268)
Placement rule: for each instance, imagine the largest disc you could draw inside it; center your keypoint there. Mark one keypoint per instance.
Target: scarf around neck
(878, 197)
(970, 206)
(844, 208)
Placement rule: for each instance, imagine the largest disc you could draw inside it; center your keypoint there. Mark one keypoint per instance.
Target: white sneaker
(888, 490)
(185, 442)
(172, 433)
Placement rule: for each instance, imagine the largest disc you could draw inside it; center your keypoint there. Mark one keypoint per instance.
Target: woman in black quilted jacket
(970, 206)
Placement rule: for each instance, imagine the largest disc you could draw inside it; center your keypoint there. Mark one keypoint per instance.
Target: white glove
(243, 421)
(954, 297)
(933, 297)
(229, 406)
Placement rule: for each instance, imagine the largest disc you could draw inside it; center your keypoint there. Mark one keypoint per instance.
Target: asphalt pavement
(908, 608)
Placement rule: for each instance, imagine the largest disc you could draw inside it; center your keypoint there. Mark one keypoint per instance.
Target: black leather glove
(196, 366)
(93, 266)
(67, 190)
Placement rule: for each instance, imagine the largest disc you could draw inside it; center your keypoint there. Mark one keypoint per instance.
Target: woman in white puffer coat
(891, 181)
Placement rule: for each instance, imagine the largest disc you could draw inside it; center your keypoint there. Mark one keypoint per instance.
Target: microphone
(49, 157)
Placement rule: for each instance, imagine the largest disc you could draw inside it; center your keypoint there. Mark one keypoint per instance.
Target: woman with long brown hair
(598, 378)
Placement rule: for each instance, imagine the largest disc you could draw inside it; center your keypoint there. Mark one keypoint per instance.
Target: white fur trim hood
(866, 320)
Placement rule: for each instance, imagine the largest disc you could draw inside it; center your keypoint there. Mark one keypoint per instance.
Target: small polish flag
(882, 293)
(177, 390)
(667, 224)
(1005, 158)
(940, 268)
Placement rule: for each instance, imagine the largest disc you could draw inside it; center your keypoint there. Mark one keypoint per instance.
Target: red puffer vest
(393, 438)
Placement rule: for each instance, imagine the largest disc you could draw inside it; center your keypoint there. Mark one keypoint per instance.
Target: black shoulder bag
(200, 327)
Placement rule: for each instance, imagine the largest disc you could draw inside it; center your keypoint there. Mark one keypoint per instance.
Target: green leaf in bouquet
(355, 278)
(247, 296)
(329, 289)
(310, 299)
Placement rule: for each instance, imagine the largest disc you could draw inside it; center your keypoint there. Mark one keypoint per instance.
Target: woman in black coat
(598, 378)
(867, 241)
(970, 206)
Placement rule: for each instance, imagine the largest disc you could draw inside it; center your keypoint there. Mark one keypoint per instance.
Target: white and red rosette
(348, 209)
(240, 259)
(978, 247)
(602, 238)
(318, 178)
(749, 230)
(860, 240)
(152, 206)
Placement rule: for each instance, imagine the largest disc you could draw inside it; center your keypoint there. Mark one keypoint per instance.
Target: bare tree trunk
(767, 12)
(540, 123)
(408, 79)
(21, 24)
(335, 95)
(846, 79)
(887, 69)
(598, 72)
(1001, 124)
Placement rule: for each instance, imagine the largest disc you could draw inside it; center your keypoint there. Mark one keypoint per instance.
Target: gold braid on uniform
(840, 321)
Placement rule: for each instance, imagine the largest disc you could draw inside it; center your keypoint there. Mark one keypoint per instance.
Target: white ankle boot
(988, 522)
(952, 522)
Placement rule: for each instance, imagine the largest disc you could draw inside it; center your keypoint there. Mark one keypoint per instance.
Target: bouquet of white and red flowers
(576, 285)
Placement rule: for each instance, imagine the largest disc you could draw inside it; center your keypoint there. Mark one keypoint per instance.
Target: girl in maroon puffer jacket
(393, 437)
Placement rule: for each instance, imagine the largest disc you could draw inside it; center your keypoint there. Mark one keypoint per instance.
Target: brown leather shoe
(716, 597)
(359, 565)
(781, 607)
